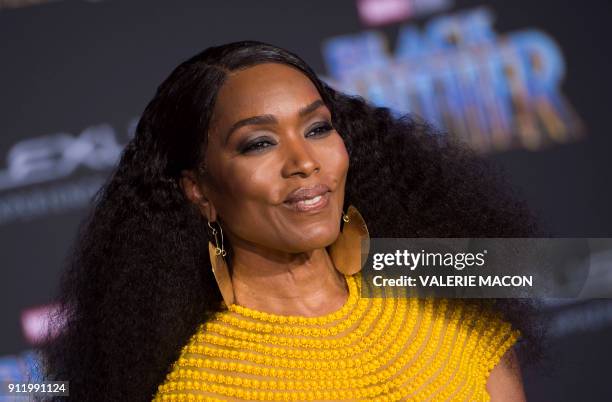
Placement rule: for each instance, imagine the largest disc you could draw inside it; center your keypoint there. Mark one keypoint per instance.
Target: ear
(192, 188)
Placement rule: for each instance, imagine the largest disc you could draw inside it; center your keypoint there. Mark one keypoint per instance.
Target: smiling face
(271, 134)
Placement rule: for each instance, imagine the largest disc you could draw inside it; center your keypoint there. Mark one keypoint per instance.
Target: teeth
(311, 201)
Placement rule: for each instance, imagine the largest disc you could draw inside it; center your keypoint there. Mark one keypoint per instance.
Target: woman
(246, 162)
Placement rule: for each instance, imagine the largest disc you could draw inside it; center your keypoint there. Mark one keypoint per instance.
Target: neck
(303, 284)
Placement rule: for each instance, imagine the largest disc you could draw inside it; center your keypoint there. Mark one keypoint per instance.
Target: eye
(321, 129)
(261, 143)
(255, 146)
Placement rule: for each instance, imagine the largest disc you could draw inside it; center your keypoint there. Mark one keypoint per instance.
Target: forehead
(268, 88)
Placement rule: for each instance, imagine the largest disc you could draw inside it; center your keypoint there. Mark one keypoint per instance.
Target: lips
(306, 193)
(311, 205)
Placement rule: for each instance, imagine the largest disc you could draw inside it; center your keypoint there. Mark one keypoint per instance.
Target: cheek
(336, 158)
(251, 181)
(253, 189)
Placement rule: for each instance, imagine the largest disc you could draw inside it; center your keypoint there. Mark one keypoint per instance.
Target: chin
(319, 241)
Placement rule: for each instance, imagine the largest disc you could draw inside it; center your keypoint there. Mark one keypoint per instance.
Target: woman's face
(254, 165)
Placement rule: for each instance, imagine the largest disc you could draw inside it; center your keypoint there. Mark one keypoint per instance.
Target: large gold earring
(220, 268)
(350, 251)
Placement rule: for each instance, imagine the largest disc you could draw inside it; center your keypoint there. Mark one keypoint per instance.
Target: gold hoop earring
(220, 268)
(350, 250)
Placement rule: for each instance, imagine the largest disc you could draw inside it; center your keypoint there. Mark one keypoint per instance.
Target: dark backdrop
(74, 76)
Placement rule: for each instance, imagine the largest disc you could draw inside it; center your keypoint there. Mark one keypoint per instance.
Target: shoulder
(505, 381)
(489, 341)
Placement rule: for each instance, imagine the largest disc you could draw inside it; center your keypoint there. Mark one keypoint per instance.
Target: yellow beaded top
(373, 348)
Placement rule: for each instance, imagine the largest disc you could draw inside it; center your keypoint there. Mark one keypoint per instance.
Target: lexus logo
(55, 156)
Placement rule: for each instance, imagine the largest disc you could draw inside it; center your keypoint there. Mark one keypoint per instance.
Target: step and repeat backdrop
(526, 83)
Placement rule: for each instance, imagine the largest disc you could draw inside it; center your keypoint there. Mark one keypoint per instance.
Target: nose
(300, 157)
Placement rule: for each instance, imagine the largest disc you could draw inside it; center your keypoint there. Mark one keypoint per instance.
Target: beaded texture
(378, 347)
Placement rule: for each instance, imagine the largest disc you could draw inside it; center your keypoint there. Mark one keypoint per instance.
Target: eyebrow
(270, 119)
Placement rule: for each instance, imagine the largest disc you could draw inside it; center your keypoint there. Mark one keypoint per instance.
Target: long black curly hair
(139, 282)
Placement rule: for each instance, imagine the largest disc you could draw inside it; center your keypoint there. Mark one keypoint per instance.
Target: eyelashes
(320, 130)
